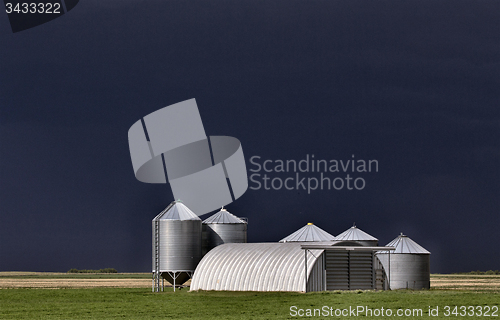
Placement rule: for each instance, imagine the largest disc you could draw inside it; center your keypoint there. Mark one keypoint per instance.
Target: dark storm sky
(412, 84)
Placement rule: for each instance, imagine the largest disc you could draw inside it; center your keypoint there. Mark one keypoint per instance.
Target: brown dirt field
(13, 279)
(36, 273)
(445, 282)
(74, 283)
(466, 282)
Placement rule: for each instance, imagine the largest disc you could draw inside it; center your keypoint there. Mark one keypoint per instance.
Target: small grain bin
(356, 237)
(223, 227)
(176, 244)
(408, 266)
(309, 233)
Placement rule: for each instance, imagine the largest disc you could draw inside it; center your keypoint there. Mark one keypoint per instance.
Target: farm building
(309, 259)
(256, 267)
(315, 266)
(409, 264)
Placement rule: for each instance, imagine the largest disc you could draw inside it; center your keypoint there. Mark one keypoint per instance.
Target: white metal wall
(407, 270)
(257, 267)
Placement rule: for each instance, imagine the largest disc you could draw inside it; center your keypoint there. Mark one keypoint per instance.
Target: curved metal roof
(403, 244)
(177, 211)
(353, 233)
(254, 267)
(309, 233)
(223, 217)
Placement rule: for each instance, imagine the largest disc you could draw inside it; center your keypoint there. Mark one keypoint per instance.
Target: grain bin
(355, 236)
(176, 244)
(223, 227)
(408, 266)
(309, 233)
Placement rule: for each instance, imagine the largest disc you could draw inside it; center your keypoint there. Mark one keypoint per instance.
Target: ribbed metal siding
(317, 277)
(361, 270)
(180, 245)
(254, 267)
(216, 234)
(349, 270)
(407, 270)
(337, 270)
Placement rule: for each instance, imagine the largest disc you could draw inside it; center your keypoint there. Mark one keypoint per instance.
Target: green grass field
(141, 303)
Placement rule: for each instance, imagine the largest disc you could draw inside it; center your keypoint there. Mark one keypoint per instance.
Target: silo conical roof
(223, 217)
(403, 244)
(309, 233)
(177, 211)
(355, 234)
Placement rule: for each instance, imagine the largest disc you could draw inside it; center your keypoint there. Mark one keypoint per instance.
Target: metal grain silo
(176, 244)
(356, 236)
(223, 227)
(309, 233)
(408, 266)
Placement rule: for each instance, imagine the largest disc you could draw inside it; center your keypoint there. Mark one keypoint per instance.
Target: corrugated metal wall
(215, 234)
(317, 277)
(179, 245)
(349, 270)
(361, 270)
(407, 271)
(337, 270)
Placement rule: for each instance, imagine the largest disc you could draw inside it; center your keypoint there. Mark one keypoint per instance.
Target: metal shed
(223, 227)
(355, 235)
(409, 264)
(316, 266)
(309, 233)
(350, 267)
(259, 267)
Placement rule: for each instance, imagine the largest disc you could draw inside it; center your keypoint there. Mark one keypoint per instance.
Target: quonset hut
(289, 266)
(176, 244)
(258, 267)
(408, 264)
